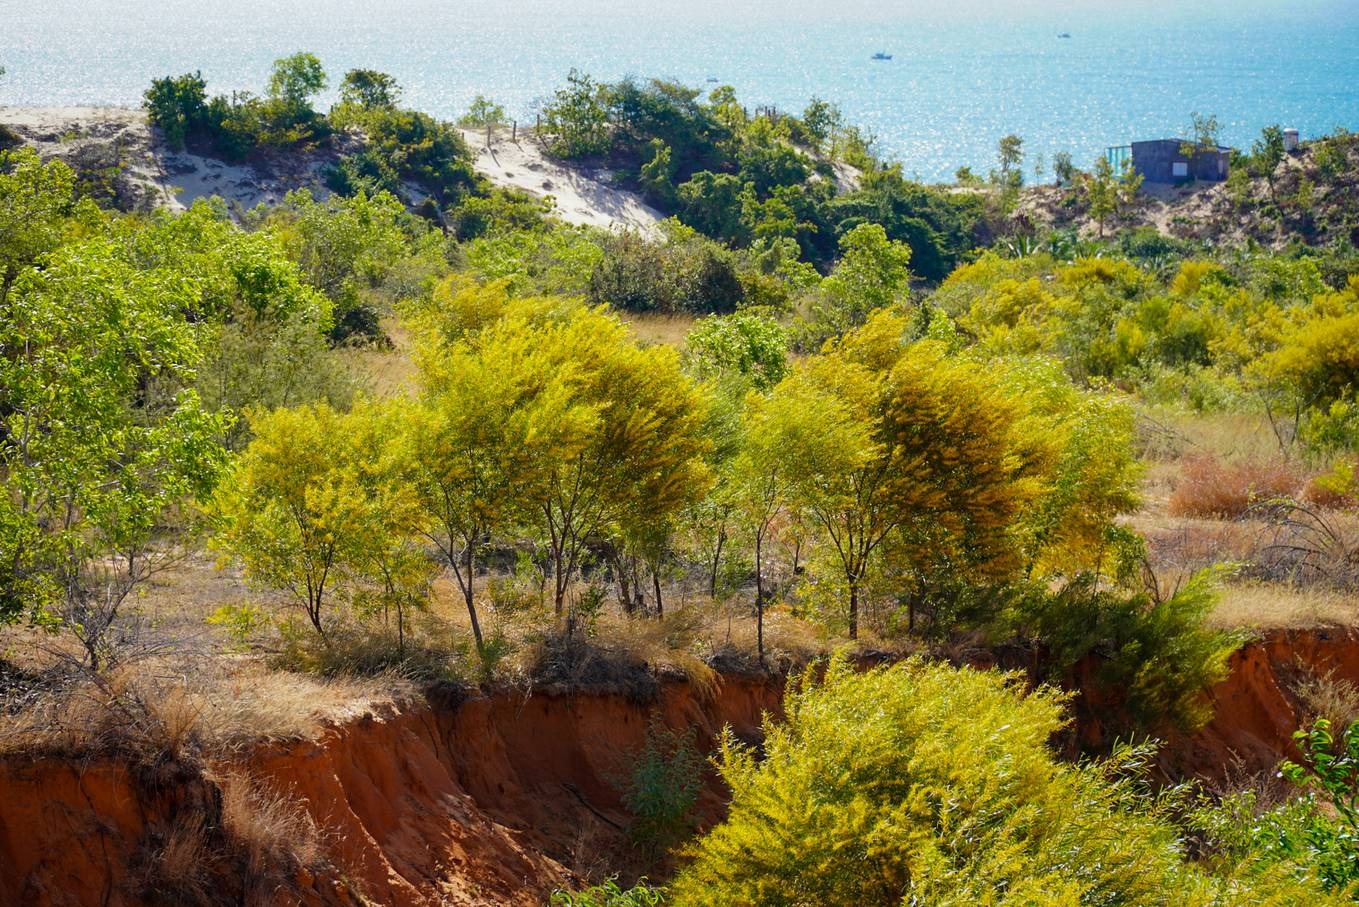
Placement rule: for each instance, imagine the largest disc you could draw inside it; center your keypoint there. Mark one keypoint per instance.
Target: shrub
(1336, 489)
(608, 894)
(1156, 657)
(177, 106)
(747, 343)
(1327, 696)
(686, 274)
(663, 788)
(922, 784)
(1323, 839)
(1210, 488)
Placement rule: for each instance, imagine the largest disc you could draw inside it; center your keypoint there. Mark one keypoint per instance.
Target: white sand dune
(580, 197)
(150, 174)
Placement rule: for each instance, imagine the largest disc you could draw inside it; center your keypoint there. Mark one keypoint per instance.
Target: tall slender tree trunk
(560, 578)
(717, 562)
(469, 561)
(615, 558)
(759, 595)
(854, 609)
(656, 586)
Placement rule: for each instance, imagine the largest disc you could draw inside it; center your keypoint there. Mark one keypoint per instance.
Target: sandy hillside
(149, 175)
(581, 197)
(139, 173)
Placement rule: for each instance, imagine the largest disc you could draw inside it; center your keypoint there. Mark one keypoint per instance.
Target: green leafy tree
(746, 343)
(369, 89)
(821, 120)
(1062, 169)
(1205, 130)
(631, 433)
(643, 455)
(483, 113)
(177, 106)
(910, 441)
(1010, 153)
(346, 247)
(1266, 155)
(1101, 193)
(762, 483)
(296, 79)
(101, 442)
(873, 273)
(576, 120)
(658, 174)
(313, 503)
(37, 204)
(498, 412)
(711, 203)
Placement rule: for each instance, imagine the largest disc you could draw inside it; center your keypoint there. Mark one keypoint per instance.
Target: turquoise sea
(963, 73)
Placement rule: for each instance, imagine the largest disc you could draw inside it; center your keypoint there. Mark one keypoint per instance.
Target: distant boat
(882, 56)
(1065, 34)
(712, 78)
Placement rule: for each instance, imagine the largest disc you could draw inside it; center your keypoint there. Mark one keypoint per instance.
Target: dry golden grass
(385, 372)
(670, 330)
(209, 706)
(1168, 435)
(180, 866)
(1326, 696)
(182, 596)
(1273, 605)
(269, 830)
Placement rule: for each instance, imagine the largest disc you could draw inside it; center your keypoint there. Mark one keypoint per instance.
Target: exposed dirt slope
(491, 800)
(1257, 708)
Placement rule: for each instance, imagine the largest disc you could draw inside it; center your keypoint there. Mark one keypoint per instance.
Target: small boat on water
(1065, 34)
(882, 56)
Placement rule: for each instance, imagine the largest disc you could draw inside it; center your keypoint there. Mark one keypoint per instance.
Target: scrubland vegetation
(419, 428)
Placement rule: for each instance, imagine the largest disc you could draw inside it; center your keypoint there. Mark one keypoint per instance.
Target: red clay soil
(497, 800)
(487, 800)
(1256, 710)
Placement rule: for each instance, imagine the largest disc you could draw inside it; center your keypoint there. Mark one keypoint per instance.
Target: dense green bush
(738, 176)
(685, 274)
(608, 894)
(403, 146)
(1157, 654)
(234, 127)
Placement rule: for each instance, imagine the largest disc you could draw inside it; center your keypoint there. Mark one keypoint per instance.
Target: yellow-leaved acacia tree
(316, 501)
(642, 458)
(924, 784)
(595, 433)
(498, 410)
(878, 435)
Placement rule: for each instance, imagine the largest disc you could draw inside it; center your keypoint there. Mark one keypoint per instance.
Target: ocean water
(963, 73)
